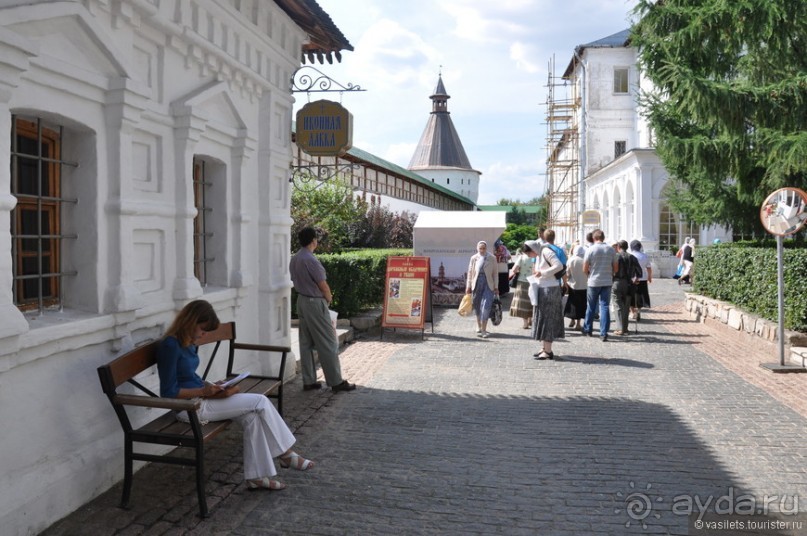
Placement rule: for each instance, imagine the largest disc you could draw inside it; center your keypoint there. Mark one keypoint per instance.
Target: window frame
(45, 202)
(620, 81)
(620, 148)
(201, 222)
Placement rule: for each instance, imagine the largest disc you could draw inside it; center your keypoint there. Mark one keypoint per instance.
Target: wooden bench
(166, 429)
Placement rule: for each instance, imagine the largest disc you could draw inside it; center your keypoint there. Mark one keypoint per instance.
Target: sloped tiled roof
(439, 145)
(617, 40)
(324, 38)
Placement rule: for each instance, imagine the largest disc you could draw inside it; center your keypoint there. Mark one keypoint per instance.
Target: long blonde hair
(195, 313)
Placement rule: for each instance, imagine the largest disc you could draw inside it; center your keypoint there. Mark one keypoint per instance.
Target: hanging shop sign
(324, 128)
(591, 217)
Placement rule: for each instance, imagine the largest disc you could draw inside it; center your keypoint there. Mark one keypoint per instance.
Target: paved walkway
(464, 436)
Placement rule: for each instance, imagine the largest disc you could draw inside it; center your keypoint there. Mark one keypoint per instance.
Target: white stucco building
(602, 169)
(144, 161)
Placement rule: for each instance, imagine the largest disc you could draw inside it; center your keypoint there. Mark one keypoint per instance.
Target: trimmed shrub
(356, 278)
(745, 275)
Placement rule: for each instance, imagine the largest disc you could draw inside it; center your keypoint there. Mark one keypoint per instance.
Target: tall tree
(729, 103)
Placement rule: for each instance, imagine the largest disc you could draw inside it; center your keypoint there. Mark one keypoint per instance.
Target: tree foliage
(515, 235)
(518, 216)
(729, 103)
(346, 221)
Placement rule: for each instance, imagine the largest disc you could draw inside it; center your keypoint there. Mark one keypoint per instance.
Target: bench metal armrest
(176, 404)
(260, 347)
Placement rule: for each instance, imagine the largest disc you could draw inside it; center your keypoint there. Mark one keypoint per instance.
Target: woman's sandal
(544, 355)
(265, 483)
(295, 461)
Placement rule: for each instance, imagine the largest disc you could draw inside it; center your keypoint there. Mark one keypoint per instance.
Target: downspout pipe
(581, 191)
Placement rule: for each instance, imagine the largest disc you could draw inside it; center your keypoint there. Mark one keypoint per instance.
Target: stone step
(798, 355)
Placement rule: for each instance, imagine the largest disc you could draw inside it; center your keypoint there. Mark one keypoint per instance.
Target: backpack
(629, 267)
(561, 257)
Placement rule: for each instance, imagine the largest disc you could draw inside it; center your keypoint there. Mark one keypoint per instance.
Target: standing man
(315, 329)
(600, 264)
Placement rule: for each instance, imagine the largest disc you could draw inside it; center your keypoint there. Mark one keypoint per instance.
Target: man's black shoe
(312, 386)
(344, 386)
(604, 338)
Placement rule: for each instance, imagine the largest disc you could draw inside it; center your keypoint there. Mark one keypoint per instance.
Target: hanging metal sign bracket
(307, 79)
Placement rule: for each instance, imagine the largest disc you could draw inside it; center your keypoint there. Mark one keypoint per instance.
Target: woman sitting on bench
(266, 435)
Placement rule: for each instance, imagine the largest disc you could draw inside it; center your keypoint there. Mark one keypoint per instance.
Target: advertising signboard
(407, 302)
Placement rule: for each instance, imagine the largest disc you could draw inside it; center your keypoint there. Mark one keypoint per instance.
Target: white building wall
(628, 191)
(140, 89)
(462, 181)
(609, 116)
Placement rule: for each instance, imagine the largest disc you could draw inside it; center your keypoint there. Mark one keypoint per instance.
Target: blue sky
(495, 57)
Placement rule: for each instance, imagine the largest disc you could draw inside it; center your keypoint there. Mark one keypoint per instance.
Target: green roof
(398, 170)
(528, 209)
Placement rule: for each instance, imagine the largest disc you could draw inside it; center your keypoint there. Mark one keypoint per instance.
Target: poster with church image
(449, 239)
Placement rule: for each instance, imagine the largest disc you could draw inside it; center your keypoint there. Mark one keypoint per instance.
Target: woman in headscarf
(481, 281)
(688, 261)
(641, 295)
(576, 281)
(521, 306)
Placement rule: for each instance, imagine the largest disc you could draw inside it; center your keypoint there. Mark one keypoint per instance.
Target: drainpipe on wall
(581, 190)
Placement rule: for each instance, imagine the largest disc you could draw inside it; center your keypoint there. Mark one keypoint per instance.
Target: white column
(15, 53)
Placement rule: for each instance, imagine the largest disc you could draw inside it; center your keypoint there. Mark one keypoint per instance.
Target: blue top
(177, 367)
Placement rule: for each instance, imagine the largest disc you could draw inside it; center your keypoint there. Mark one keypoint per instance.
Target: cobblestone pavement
(463, 436)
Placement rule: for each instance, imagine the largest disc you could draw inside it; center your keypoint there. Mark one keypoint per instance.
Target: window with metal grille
(36, 227)
(620, 147)
(202, 232)
(620, 80)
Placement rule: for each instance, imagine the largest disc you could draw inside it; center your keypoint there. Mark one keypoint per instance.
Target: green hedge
(356, 278)
(745, 275)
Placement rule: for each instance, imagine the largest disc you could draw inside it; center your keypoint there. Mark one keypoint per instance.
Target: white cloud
(523, 54)
(400, 152)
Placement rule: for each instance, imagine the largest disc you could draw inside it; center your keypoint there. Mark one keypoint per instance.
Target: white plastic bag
(334, 317)
(533, 289)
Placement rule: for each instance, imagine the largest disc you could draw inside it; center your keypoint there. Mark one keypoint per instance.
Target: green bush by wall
(745, 275)
(356, 279)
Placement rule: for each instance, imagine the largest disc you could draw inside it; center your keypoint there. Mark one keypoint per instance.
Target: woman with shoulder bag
(481, 283)
(547, 319)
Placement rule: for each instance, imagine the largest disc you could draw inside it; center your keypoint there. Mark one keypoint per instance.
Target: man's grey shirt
(600, 258)
(306, 273)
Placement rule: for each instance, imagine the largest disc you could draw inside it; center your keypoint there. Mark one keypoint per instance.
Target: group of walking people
(590, 277)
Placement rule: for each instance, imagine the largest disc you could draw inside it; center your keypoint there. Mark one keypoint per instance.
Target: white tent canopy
(449, 239)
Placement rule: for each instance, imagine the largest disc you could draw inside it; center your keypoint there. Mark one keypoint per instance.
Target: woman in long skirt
(547, 319)
(641, 294)
(521, 307)
(576, 281)
(481, 281)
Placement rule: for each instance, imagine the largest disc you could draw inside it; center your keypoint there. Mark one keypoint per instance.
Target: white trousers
(266, 435)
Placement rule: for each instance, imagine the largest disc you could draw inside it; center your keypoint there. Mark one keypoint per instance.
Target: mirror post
(782, 214)
(780, 276)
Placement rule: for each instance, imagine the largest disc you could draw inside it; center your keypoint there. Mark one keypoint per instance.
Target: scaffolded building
(563, 158)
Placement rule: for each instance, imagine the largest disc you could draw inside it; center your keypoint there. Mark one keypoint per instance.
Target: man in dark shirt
(316, 331)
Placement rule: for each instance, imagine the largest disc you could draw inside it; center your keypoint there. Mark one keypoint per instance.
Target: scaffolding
(563, 160)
